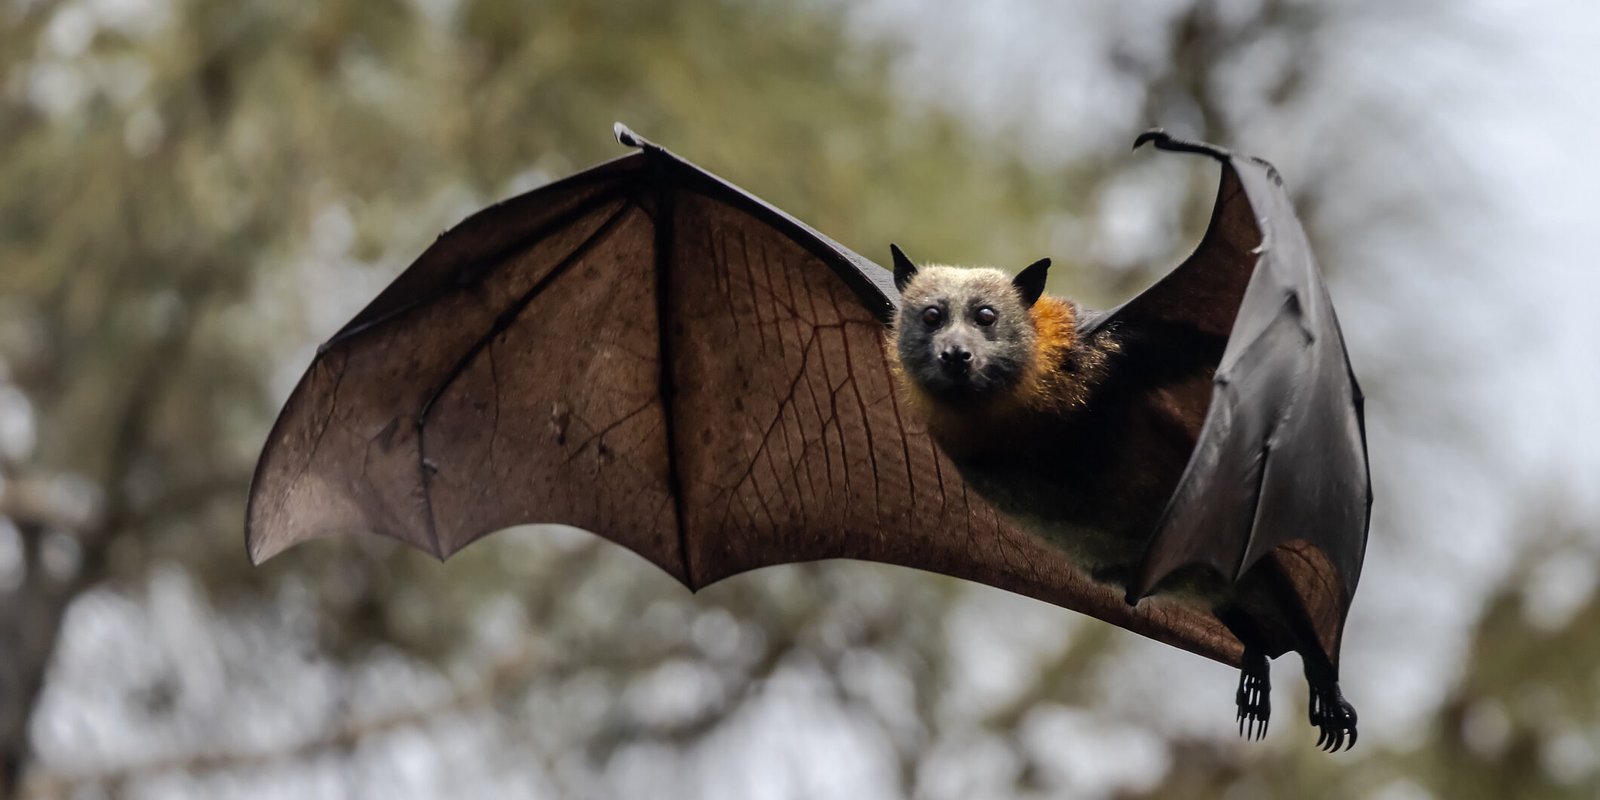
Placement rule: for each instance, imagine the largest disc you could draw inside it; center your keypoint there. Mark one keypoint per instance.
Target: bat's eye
(932, 316)
(985, 316)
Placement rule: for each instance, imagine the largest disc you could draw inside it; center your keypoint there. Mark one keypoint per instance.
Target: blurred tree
(195, 193)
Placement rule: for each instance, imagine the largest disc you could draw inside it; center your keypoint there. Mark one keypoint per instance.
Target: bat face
(963, 335)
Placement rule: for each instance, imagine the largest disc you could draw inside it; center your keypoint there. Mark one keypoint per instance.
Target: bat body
(1029, 410)
(1190, 466)
(1080, 432)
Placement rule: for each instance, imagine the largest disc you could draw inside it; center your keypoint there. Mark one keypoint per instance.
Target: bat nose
(955, 358)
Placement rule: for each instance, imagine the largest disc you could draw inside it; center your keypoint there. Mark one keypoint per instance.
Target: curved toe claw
(1254, 698)
(1334, 718)
(1255, 707)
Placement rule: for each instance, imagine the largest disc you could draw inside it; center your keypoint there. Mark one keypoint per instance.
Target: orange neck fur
(1046, 385)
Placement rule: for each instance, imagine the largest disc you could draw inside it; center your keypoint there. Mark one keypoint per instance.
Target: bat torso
(1091, 470)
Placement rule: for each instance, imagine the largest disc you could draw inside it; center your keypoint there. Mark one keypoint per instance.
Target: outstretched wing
(1279, 471)
(647, 352)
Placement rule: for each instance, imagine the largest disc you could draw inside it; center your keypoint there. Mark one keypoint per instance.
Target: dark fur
(1086, 458)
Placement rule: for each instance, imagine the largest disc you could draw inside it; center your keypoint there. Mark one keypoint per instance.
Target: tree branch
(30, 616)
(511, 670)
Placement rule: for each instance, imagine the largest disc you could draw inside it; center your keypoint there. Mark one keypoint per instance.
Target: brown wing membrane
(462, 400)
(649, 353)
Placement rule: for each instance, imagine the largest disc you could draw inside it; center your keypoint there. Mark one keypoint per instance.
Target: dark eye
(985, 316)
(932, 316)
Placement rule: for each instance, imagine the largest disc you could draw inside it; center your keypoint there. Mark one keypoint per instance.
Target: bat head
(965, 335)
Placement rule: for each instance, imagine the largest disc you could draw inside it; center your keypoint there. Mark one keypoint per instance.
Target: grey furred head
(963, 335)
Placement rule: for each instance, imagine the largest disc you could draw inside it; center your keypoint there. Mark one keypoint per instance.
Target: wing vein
(665, 230)
(473, 273)
(425, 467)
(866, 427)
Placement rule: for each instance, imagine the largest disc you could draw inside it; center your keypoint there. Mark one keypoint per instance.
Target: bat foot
(1254, 696)
(1333, 717)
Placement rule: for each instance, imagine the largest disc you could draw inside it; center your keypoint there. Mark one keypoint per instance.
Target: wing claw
(1166, 141)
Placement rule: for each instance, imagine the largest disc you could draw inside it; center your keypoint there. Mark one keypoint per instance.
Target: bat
(645, 351)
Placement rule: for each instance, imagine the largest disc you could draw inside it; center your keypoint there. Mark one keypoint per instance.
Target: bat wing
(647, 352)
(1278, 479)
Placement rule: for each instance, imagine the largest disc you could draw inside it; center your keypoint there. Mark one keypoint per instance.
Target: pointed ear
(1030, 281)
(904, 270)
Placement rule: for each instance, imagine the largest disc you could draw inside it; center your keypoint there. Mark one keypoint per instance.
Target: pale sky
(1485, 319)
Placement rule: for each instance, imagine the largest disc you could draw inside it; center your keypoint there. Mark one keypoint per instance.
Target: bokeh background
(193, 194)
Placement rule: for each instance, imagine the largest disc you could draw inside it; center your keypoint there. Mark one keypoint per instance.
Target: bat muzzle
(955, 360)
